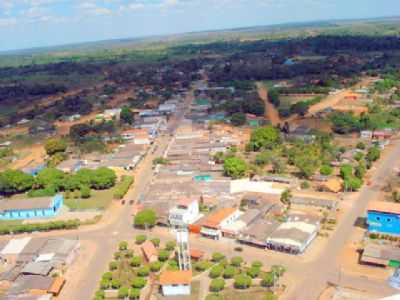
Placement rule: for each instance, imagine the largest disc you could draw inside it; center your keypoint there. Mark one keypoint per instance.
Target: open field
(98, 200)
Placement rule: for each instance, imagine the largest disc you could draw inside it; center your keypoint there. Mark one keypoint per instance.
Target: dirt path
(271, 113)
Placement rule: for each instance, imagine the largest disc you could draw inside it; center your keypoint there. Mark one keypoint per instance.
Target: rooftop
(175, 277)
(26, 204)
(384, 207)
(214, 219)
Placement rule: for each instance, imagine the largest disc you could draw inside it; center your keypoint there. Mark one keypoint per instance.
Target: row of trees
(49, 181)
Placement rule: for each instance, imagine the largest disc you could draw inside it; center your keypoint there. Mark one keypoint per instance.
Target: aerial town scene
(199, 150)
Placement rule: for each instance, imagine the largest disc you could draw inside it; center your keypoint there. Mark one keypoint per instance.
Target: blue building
(31, 208)
(384, 217)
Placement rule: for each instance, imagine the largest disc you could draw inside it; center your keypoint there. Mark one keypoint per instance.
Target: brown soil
(271, 113)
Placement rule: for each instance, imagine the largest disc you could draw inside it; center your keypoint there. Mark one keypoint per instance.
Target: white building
(176, 283)
(366, 134)
(212, 226)
(185, 213)
(294, 235)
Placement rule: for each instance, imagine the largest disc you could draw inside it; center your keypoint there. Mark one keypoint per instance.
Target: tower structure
(182, 239)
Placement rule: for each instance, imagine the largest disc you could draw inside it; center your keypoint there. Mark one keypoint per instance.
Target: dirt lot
(36, 155)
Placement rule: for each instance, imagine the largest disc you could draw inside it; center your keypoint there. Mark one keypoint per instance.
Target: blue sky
(35, 23)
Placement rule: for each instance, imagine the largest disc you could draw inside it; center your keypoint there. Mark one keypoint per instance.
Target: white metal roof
(305, 227)
(15, 246)
(45, 257)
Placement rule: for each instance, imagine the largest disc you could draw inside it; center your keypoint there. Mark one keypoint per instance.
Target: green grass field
(98, 200)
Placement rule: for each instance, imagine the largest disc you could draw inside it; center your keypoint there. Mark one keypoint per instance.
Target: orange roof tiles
(386, 207)
(175, 277)
(149, 250)
(214, 219)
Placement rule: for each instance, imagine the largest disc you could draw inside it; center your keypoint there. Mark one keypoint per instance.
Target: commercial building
(381, 255)
(384, 217)
(30, 208)
(176, 283)
(294, 235)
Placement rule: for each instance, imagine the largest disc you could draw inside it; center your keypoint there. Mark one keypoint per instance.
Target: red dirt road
(271, 113)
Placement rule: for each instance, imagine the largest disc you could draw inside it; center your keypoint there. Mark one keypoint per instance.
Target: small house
(381, 255)
(31, 208)
(366, 134)
(176, 283)
(384, 217)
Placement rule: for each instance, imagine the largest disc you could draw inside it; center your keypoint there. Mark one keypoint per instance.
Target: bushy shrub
(155, 266)
(139, 282)
(236, 261)
(163, 255)
(27, 228)
(136, 261)
(143, 271)
(123, 186)
(229, 272)
(170, 246)
(217, 285)
(140, 239)
(123, 245)
(217, 257)
(216, 271)
(242, 281)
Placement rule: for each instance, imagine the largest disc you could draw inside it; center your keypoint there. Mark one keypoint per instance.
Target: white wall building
(185, 213)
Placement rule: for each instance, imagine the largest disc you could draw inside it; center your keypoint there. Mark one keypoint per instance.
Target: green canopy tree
(15, 181)
(126, 115)
(145, 218)
(264, 138)
(235, 167)
(55, 145)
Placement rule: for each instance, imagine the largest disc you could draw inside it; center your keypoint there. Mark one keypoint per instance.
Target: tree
(268, 280)
(214, 297)
(346, 171)
(278, 270)
(264, 138)
(253, 272)
(360, 145)
(55, 145)
(170, 245)
(140, 239)
(155, 266)
(79, 131)
(126, 115)
(217, 257)
(123, 292)
(138, 282)
(326, 170)
(235, 167)
(238, 119)
(134, 294)
(50, 177)
(145, 218)
(286, 196)
(163, 255)
(278, 166)
(360, 170)
(143, 271)
(216, 271)
(257, 264)
(136, 261)
(236, 261)
(201, 266)
(352, 183)
(85, 192)
(242, 281)
(270, 296)
(307, 165)
(374, 153)
(273, 97)
(229, 272)
(103, 178)
(113, 265)
(123, 245)
(116, 283)
(15, 181)
(345, 123)
(217, 285)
